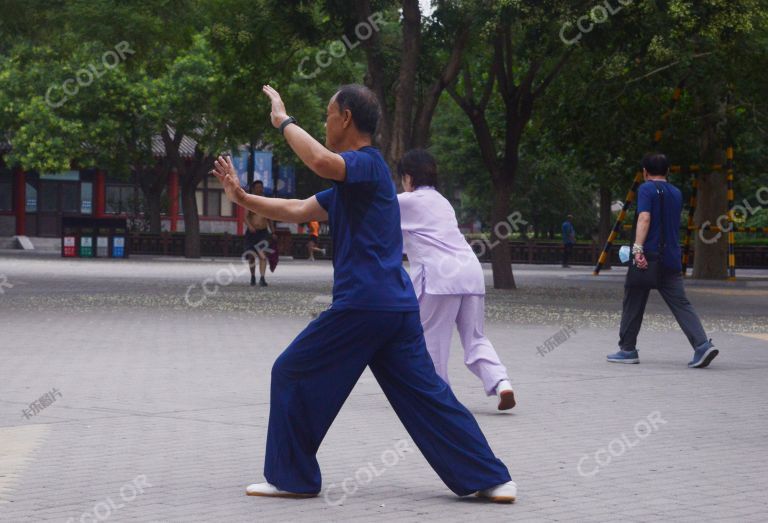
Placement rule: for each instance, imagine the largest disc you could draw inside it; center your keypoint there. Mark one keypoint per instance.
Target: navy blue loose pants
(312, 378)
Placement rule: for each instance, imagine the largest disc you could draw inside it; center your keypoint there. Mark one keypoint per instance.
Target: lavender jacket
(441, 260)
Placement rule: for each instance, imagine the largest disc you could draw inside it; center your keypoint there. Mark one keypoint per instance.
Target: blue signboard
(241, 166)
(262, 169)
(286, 181)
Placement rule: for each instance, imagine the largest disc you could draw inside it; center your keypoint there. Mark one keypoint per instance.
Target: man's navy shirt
(568, 232)
(648, 200)
(364, 217)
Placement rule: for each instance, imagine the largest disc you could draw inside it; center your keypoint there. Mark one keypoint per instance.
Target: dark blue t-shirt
(568, 233)
(648, 200)
(364, 218)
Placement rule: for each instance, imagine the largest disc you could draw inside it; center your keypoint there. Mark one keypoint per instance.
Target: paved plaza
(149, 380)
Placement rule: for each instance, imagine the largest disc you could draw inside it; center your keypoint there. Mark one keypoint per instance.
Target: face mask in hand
(624, 253)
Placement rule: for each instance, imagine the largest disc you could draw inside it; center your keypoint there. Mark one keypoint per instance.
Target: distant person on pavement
(259, 230)
(569, 238)
(314, 240)
(647, 240)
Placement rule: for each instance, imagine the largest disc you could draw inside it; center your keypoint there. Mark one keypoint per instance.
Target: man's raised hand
(278, 114)
(224, 170)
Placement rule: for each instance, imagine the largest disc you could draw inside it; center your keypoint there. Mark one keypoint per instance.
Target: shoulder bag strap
(634, 225)
(662, 235)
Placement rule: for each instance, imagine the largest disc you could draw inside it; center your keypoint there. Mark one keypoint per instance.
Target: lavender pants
(439, 313)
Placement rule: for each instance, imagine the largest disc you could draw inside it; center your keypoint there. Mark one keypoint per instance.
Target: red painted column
(20, 201)
(240, 215)
(99, 194)
(173, 196)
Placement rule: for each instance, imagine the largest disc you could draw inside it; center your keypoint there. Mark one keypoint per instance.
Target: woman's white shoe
(271, 491)
(504, 493)
(506, 395)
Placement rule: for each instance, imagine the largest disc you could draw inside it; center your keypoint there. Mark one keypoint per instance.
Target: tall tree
(519, 67)
(410, 60)
(431, 52)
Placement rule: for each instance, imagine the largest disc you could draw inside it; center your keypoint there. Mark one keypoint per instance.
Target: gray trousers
(673, 292)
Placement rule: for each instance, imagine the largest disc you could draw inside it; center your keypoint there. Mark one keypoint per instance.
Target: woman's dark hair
(363, 105)
(656, 164)
(421, 167)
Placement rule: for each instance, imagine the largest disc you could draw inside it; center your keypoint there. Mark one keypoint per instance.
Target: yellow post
(731, 233)
(619, 221)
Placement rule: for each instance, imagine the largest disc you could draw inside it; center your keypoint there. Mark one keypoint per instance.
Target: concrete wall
(7, 225)
(206, 226)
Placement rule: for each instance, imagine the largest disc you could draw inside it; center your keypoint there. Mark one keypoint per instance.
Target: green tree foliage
(544, 115)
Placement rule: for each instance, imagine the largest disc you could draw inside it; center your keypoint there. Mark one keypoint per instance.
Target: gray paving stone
(177, 394)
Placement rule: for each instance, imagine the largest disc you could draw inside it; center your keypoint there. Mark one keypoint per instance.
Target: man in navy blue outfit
(648, 240)
(373, 320)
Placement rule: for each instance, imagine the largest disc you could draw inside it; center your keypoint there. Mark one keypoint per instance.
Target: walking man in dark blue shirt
(569, 238)
(373, 320)
(647, 240)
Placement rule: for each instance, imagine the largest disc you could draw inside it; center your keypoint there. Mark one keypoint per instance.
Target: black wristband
(286, 123)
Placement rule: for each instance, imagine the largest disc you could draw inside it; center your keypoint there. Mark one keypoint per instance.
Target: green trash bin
(86, 244)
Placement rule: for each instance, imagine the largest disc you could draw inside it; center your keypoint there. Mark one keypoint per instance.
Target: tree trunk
(154, 204)
(501, 259)
(606, 221)
(711, 257)
(195, 170)
(375, 77)
(191, 220)
(405, 123)
(190, 174)
(400, 137)
(426, 109)
(152, 181)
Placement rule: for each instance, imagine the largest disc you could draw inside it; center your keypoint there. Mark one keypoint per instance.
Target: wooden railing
(523, 252)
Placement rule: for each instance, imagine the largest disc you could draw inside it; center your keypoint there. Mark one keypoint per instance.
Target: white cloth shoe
(504, 493)
(506, 395)
(271, 491)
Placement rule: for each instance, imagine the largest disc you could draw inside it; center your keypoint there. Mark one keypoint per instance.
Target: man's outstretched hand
(224, 170)
(278, 114)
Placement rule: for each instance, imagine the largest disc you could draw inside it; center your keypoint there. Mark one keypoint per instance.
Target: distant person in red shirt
(314, 241)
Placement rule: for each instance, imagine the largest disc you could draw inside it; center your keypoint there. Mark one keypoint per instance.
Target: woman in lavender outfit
(447, 277)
